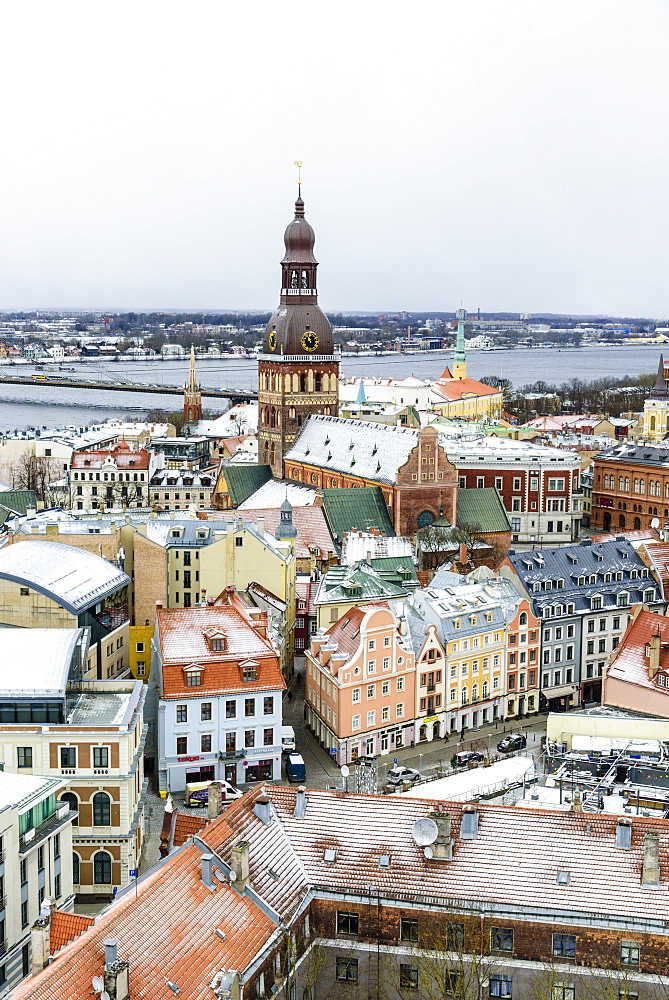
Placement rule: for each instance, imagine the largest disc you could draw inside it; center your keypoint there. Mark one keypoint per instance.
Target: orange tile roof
(65, 927)
(186, 826)
(183, 642)
(123, 458)
(457, 388)
(631, 663)
(165, 933)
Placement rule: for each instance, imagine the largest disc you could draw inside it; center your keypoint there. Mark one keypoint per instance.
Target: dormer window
(193, 675)
(249, 671)
(218, 645)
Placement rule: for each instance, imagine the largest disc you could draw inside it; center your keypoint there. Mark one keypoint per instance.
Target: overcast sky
(510, 155)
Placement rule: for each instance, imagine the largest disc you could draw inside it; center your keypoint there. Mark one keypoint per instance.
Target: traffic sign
(333, 751)
(132, 873)
(395, 760)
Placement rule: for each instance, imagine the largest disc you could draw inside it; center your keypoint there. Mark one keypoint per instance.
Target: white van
(287, 739)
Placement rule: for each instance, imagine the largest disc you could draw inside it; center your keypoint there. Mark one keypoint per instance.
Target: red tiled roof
(309, 522)
(186, 826)
(123, 458)
(65, 927)
(183, 642)
(457, 388)
(631, 663)
(165, 933)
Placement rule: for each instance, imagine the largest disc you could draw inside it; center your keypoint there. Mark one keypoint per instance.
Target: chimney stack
(115, 973)
(40, 937)
(207, 870)
(300, 803)
(462, 553)
(654, 656)
(214, 800)
(260, 525)
(262, 809)
(650, 873)
(240, 862)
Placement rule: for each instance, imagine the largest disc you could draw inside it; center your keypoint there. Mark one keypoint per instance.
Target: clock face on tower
(272, 341)
(309, 341)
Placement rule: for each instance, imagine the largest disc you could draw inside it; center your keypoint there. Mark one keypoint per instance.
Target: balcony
(46, 829)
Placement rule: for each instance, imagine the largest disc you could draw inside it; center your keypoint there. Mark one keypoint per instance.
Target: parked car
(197, 793)
(514, 741)
(398, 775)
(467, 757)
(295, 767)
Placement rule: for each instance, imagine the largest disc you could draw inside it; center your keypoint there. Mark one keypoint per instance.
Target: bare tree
(35, 472)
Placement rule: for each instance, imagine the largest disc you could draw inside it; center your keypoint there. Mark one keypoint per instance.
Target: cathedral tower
(298, 369)
(656, 408)
(192, 393)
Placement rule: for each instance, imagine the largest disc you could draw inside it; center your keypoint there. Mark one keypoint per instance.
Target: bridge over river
(58, 381)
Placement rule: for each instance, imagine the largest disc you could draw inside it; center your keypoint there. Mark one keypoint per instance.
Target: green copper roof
(483, 508)
(396, 569)
(360, 509)
(243, 480)
(360, 583)
(18, 501)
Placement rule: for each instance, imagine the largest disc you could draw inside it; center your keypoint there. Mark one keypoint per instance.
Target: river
(29, 406)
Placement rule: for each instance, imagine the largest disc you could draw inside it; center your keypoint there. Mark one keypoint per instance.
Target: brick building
(314, 894)
(630, 488)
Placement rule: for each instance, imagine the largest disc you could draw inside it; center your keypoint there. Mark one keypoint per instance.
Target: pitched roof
(484, 508)
(122, 457)
(310, 523)
(65, 927)
(631, 662)
(185, 826)
(453, 389)
(72, 577)
(361, 582)
(182, 633)
(166, 932)
(642, 454)
(243, 480)
(360, 509)
(18, 501)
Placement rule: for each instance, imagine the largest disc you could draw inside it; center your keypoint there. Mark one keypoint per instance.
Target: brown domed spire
(659, 390)
(299, 239)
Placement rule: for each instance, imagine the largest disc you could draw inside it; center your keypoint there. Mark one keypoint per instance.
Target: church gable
(427, 463)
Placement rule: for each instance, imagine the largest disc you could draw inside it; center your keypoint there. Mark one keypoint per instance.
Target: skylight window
(563, 877)
(329, 856)
(384, 861)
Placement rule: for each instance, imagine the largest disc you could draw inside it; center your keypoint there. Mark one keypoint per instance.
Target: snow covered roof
(45, 656)
(274, 492)
(74, 578)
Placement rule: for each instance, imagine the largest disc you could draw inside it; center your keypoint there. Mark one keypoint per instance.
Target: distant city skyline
(512, 157)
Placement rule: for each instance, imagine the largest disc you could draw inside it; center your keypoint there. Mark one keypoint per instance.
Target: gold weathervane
(298, 164)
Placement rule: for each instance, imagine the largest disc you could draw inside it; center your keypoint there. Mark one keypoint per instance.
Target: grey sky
(510, 154)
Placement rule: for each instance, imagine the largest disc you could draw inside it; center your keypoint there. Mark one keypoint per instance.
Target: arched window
(621, 521)
(102, 868)
(425, 518)
(101, 809)
(652, 423)
(637, 523)
(75, 868)
(523, 618)
(73, 803)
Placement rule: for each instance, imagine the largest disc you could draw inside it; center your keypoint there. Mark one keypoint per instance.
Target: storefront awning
(559, 692)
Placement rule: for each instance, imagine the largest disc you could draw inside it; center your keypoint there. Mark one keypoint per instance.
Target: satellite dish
(232, 875)
(98, 984)
(428, 852)
(655, 523)
(425, 831)
(104, 995)
(344, 771)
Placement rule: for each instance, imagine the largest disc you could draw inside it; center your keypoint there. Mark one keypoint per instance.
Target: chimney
(115, 973)
(262, 810)
(207, 870)
(368, 558)
(159, 605)
(300, 803)
(462, 553)
(40, 937)
(654, 655)
(240, 861)
(214, 800)
(260, 525)
(52, 531)
(650, 873)
(30, 513)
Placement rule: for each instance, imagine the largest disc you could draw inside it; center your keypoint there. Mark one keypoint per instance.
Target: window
(268, 705)
(453, 983)
(554, 485)
(56, 846)
(68, 756)
(194, 678)
(500, 986)
(24, 913)
(355, 695)
(205, 743)
(231, 709)
(239, 542)
(371, 691)
(249, 738)
(24, 756)
(563, 991)
(347, 923)
(101, 809)
(347, 969)
(24, 871)
(409, 930)
(564, 945)
(102, 868)
(408, 977)
(355, 722)
(249, 707)
(455, 937)
(182, 713)
(182, 746)
(501, 939)
(205, 711)
(371, 718)
(249, 674)
(629, 952)
(400, 684)
(230, 742)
